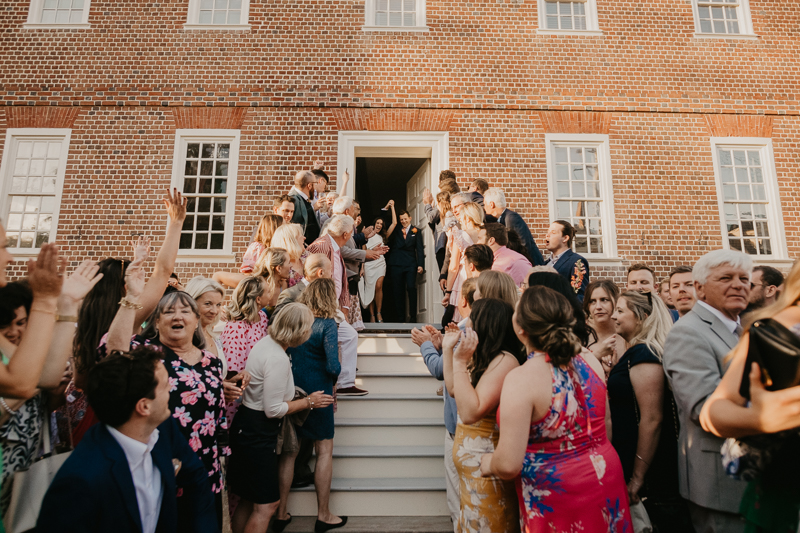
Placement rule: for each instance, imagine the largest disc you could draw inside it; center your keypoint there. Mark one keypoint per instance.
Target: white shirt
(337, 267)
(730, 324)
(272, 384)
(146, 477)
(554, 258)
(301, 193)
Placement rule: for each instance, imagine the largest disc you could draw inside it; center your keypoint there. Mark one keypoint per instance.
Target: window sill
(31, 26)
(194, 257)
(605, 261)
(396, 29)
(575, 33)
(745, 36)
(217, 27)
(777, 263)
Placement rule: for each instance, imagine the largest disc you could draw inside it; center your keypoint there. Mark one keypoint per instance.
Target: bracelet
(6, 407)
(127, 304)
(66, 318)
(43, 310)
(642, 460)
(448, 292)
(310, 403)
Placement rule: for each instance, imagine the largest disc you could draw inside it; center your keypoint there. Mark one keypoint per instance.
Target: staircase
(388, 454)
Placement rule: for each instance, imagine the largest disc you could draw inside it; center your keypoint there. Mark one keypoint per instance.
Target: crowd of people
(569, 404)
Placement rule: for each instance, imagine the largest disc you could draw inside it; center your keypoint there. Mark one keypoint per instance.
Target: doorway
(399, 166)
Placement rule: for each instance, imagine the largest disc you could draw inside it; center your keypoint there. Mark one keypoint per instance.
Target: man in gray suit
(694, 360)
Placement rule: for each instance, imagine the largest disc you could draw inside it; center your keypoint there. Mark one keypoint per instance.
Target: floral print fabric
(238, 338)
(488, 505)
(571, 476)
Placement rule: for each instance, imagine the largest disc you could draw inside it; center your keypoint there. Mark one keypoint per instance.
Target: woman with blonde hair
(315, 367)
(274, 266)
(470, 216)
(262, 239)
(290, 237)
(643, 411)
(494, 284)
(771, 500)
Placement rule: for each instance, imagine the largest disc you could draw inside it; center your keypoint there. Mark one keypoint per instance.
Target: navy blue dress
(316, 367)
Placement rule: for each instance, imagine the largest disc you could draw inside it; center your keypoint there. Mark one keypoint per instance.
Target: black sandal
(279, 525)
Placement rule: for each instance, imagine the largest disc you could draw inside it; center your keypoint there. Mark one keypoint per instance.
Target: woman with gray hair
(196, 396)
(253, 469)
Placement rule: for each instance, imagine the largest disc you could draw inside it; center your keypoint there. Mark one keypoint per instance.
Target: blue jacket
(575, 268)
(406, 253)
(514, 221)
(433, 360)
(93, 490)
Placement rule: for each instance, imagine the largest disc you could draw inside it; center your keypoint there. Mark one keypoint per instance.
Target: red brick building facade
(664, 118)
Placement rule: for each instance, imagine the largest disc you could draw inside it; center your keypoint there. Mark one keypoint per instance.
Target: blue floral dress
(571, 477)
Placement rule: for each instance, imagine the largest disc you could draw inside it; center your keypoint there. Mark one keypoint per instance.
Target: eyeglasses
(753, 285)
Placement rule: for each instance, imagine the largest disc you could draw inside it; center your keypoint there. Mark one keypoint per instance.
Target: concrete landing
(382, 524)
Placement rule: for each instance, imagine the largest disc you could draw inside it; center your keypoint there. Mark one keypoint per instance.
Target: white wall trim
(35, 18)
(193, 18)
(369, 19)
(592, 24)
(744, 18)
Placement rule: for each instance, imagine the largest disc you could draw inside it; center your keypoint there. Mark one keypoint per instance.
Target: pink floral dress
(238, 338)
(251, 256)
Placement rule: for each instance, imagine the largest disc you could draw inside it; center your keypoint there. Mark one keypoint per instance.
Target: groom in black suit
(406, 260)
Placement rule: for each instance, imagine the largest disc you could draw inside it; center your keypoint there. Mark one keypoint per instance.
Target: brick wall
(305, 70)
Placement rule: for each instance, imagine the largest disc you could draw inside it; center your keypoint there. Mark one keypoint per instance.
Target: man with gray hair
(301, 193)
(494, 203)
(694, 361)
(339, 230)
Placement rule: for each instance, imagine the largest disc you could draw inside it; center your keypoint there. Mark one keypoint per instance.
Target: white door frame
(403, 144)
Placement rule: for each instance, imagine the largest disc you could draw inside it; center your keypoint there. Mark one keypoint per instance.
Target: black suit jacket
(406, 253)
(93, 490)
(512, 220)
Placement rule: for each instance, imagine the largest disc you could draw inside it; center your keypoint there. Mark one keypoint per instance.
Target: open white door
(427, 283)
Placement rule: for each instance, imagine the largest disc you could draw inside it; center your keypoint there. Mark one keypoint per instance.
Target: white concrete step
(410, 364)
(391, 406)
(365, 462)
(376, 497)
(386, 343)
(398, 382)
(389, 432)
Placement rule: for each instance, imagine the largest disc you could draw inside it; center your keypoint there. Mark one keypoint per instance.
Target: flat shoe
(322, 527)
(279, 525)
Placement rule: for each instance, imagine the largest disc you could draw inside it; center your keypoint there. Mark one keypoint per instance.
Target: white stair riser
(377, 503)
(389, 436)
(409, 364)
(399, 385)
(363, 408)
(387, 345)
(387, 467)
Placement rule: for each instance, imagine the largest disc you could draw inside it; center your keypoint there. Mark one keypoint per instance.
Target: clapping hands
(45, 273)
(81, 281)
(466, 348)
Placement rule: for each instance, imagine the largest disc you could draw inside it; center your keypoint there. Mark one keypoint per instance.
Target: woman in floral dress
(195, 375)
(474, 374)
(552, 419)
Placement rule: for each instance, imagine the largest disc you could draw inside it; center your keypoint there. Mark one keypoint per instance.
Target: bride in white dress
(370, 288)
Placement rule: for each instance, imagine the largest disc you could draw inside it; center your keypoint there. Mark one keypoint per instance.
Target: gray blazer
(290, 295)
(693, 360)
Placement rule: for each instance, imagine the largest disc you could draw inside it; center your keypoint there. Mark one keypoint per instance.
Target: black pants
(447, 317)
(440, 257)
(404, 282)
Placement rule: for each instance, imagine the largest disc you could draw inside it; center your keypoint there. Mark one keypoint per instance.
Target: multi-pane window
(578, 197)
(745, 201)
(218, 12)
(32, 181)
(394, 14)
(59, 13)
(565, 15)
(205, 174)
(722, 17)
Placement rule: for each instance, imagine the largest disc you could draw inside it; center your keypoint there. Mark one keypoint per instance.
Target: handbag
(640, 519)
(776, 349)
(31, 485)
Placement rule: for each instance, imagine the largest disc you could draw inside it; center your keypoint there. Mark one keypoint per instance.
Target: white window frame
(13, 136)
(369, 19)
(774, 212)
(743, 14)
(182, 138)
(193, 19)
(34, 21)
(592, 24)
(601, 142)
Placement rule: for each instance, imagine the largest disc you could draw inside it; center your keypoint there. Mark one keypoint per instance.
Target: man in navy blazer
(125, 474)
(406, 260)
(494, 203)
(574, 267)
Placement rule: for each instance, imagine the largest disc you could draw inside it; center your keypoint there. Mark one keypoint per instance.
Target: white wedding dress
(372, 271)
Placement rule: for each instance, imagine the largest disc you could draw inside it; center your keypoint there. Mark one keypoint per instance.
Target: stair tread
(377, 335)
(383, 484)
(348, 422)
(388, 451)
(389, 354)
(395, 375)
(389, 396)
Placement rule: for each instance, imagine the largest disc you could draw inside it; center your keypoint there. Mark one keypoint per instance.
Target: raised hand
(319, 164)
(451, 337)
(427, 197)
(45, 274)
(141, 250)
(81, 281)
(466, 348)
(389, 204)
(368, 232)
(134, 282)
(176, 205)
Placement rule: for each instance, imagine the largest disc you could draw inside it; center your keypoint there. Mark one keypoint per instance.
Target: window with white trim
(748, 191)
(33, 168)
(67, 13)
(218, 13)
(579, 172)
(568, 16)
(394, 14)
(205, 172)
(722, 17)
